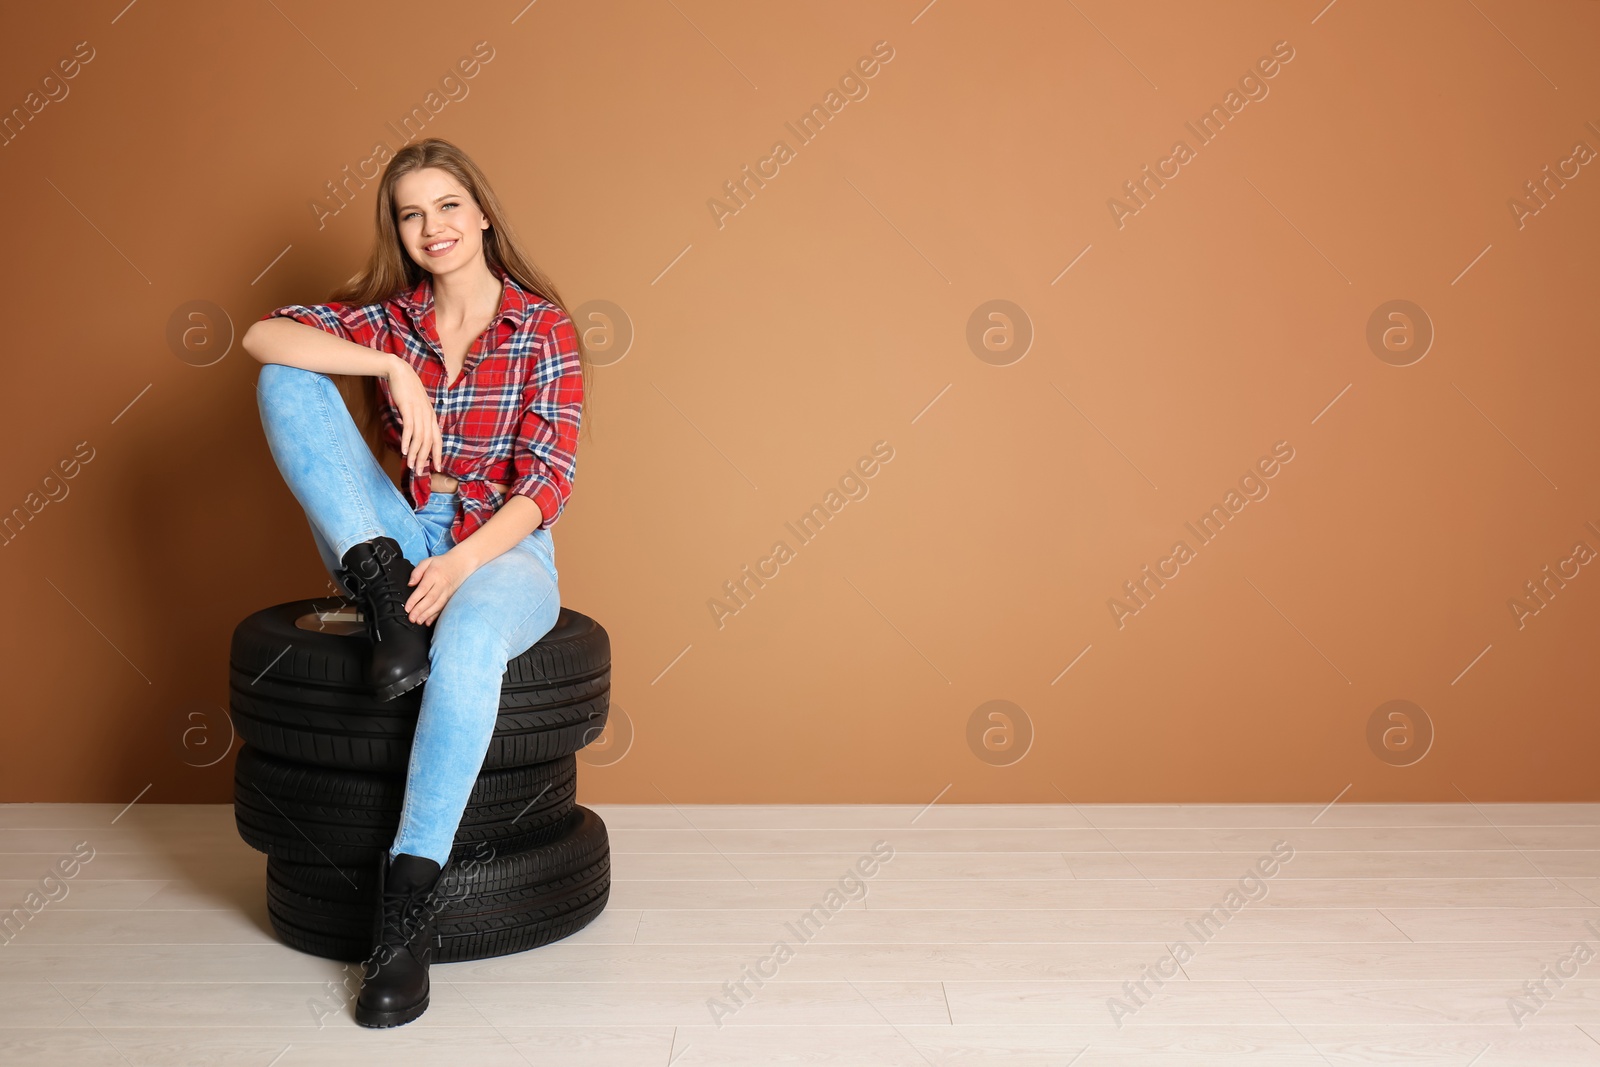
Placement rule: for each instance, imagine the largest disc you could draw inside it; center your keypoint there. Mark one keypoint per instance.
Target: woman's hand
(420, 437)
(436, 579)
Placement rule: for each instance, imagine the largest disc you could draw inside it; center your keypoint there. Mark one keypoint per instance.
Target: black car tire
(494, 903)
(300, 693)
(294, 811)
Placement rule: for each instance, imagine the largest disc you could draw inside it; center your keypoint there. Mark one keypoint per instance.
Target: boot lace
(405, 915)
(382, 597)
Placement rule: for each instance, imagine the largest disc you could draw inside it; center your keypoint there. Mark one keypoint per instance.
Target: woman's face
(440, 225)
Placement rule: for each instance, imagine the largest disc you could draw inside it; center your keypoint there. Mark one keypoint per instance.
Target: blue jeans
(502, 609)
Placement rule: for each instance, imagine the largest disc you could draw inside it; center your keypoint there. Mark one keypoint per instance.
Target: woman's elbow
(251, 342)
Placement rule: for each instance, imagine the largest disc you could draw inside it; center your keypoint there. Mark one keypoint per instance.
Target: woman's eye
(408, 214)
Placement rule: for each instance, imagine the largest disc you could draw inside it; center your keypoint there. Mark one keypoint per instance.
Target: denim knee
(464, 635)
(276, 378)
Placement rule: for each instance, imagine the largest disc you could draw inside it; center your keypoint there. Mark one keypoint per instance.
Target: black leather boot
(394, 987)
(376, 572)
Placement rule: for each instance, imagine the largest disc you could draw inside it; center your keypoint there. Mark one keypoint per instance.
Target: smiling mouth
(439, 247)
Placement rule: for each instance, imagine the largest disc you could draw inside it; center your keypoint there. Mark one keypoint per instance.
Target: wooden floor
(1409, 934)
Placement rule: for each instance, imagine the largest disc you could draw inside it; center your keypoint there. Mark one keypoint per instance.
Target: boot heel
(404, 685)
(379, 575)
(405, 933)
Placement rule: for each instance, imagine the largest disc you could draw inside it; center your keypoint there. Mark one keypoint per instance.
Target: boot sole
(379, 1019)
(404, 685)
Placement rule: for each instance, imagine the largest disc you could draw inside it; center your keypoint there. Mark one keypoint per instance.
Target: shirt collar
(515, 305)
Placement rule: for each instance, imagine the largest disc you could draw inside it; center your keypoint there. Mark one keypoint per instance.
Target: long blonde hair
(390, 271)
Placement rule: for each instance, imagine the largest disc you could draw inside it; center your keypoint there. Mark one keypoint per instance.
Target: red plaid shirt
(510, 417)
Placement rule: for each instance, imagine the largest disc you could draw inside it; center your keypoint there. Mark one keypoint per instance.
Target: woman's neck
(466, 294)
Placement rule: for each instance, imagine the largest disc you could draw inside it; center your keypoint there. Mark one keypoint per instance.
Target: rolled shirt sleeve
(544, 458)
(365, 325)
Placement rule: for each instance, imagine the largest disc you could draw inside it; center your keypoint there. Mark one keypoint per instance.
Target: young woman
(467, 365)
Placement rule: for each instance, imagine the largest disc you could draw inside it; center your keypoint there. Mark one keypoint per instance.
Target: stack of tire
(319, 782)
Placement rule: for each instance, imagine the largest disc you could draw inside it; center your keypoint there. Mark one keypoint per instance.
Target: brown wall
(1171, 351)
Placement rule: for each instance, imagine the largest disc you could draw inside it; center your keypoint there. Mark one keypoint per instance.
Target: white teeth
(439, 245)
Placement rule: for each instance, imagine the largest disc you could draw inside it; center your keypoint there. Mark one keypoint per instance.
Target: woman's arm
(349, 341)
(435, 579)
(544, 458)
(283, 340)
(513, 520)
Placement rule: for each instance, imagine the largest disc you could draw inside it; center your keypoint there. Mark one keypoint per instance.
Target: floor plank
(1031, 934)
